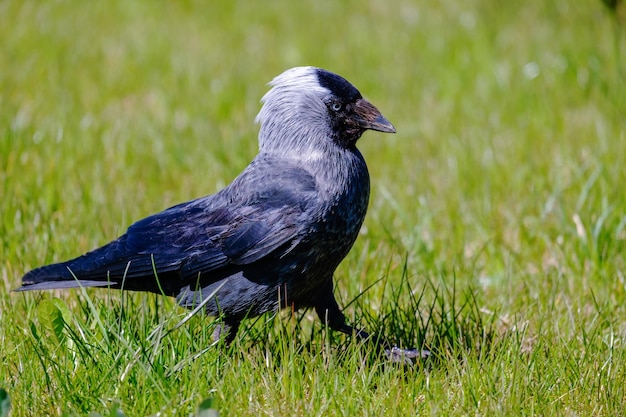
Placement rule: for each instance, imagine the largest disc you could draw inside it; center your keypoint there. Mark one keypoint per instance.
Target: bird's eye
(336, 106)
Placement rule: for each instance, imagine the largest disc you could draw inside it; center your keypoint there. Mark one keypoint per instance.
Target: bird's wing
(248, 237)
(209, 240)
(253, 218)
(265, 211)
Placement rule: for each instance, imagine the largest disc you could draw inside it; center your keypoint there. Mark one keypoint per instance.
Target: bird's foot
(405, 356)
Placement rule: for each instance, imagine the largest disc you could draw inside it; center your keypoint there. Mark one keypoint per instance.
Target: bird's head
(310, 109)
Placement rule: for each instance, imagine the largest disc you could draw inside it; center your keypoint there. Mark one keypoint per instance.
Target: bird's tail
(57, 276)
(108, 266)
(93, 269)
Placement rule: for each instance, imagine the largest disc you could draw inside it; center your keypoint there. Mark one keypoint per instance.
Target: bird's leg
(226, 330)
(329, 312)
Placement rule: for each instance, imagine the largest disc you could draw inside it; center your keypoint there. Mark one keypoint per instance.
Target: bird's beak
(368, 117)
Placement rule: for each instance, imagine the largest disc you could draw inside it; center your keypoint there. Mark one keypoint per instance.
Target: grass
(495, 237)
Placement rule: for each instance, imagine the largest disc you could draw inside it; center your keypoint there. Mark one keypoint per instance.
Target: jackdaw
(273, 237)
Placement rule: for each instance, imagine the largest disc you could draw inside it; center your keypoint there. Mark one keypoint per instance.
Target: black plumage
(270, 239)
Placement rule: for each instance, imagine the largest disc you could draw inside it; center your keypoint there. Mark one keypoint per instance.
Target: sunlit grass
(496, 231)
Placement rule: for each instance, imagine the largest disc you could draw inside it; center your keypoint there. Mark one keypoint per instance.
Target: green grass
(495, 238)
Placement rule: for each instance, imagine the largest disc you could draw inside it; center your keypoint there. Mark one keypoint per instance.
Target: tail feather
(110, 265)
(59, 276)
(61, 285)
(100, 267)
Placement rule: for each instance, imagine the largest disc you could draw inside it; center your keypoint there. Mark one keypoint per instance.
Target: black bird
(274, 236)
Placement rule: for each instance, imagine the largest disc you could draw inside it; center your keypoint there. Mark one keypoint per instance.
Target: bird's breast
(343, 217)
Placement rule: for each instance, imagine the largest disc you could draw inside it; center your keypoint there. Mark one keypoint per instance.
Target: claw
(405, 356)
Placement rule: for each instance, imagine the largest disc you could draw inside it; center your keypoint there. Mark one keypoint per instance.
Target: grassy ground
(495, 237)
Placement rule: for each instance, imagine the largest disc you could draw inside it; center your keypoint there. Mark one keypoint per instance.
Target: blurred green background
(506, 176)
